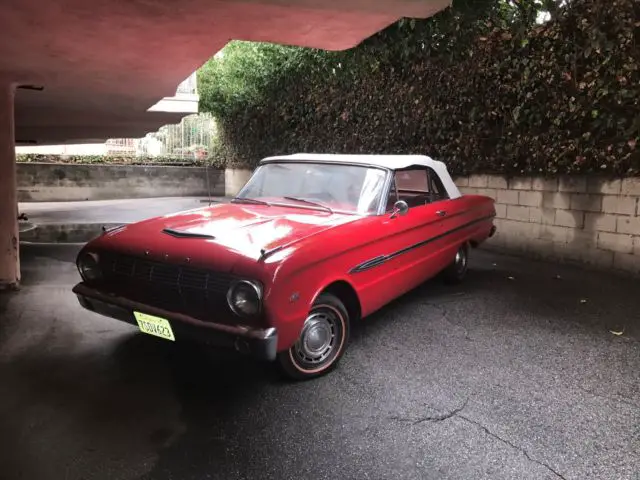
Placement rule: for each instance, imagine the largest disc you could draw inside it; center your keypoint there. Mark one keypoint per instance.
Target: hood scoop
(183, 234)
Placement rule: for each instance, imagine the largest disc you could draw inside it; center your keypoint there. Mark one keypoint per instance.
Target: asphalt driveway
(515, 374)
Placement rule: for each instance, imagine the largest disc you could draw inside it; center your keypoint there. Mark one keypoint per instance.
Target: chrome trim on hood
(183, 234)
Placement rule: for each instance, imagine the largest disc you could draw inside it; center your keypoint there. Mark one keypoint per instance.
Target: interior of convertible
(417, 186)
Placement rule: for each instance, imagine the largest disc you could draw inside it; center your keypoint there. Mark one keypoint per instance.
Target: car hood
(224, 232)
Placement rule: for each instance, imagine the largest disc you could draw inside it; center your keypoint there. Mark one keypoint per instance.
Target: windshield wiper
(309, 202)
(250, 200)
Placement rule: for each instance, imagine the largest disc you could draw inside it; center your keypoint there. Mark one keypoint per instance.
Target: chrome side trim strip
(381, 259)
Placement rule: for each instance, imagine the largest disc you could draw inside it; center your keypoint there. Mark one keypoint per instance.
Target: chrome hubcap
(318, 338)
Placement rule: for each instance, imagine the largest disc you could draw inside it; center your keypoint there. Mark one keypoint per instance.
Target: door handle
(441, 213)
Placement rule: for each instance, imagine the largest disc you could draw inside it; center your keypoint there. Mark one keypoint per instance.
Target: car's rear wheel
(322, 342)
(457, 271)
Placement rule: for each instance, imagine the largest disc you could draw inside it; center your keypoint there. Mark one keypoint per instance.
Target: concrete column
(9, 254)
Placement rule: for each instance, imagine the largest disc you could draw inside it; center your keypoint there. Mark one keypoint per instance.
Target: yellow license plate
(154, 326)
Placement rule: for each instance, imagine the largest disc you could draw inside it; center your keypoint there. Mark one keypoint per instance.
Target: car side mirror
(399, 208)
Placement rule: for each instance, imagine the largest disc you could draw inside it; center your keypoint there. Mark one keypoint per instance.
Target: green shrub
(483, 89)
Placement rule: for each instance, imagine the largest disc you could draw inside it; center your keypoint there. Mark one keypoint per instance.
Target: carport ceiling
(103, 63)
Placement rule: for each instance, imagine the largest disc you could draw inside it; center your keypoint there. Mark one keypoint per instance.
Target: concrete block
(630, 186)
(488, 192)
(542, 184)
(501, 210)
(543, 216)
(529, 198)
(535, 214)
(523, 183)
(586, 202)
(569, 218)
(603, 186)
(461, 181)
(636, 246)
(600, 222)
(496, 181)
(629, 225)
(556, 200)
(468, 190)
(555, 234)
(509, 197)
(615, 242)
(627, 262)
(573, 184)
(515, 212)
(514, 228)
(534, 230)
(478, 181)
(520, 237)
(619, 204)
(548, 216)
(582, 239)
(499, 222)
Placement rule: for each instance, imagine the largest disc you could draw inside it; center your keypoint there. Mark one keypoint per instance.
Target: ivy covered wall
(480, 86)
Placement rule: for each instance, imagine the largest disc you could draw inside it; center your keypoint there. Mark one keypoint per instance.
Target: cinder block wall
(588, 220)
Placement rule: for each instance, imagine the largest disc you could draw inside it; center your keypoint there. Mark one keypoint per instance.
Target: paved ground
(513, 375)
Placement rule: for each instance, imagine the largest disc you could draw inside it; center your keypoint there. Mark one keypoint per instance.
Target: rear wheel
(322, 342)
(457, 271)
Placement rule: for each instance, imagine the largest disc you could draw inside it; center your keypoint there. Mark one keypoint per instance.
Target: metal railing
(188, 86)
(192, 138)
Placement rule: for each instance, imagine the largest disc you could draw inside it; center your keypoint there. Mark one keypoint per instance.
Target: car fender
(292, 299)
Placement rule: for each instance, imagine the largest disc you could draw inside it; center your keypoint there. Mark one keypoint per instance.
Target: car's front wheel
(457, 270)
(322, 342)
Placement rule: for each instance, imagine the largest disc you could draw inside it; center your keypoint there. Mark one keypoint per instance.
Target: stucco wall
(589, 220)
(41, 182)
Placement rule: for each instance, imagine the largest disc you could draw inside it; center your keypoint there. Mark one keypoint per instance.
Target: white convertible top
(392, 162)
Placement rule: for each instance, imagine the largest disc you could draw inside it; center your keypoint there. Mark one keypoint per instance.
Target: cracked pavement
(514, 374)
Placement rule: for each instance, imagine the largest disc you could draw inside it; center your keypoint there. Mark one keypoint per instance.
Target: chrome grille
(165, 276)
(176, 288)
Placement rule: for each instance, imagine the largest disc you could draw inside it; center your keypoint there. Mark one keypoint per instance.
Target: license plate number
(153, 325)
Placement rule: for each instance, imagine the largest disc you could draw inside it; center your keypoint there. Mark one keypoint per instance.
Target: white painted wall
(82, 149)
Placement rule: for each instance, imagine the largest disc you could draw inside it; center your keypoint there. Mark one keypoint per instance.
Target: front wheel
(457, 270)
(322, 342)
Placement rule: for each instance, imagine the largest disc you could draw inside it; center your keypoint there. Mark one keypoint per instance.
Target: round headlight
(245, 298)
(89, 266)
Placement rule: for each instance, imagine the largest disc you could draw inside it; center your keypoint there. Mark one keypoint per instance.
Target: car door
(413, 246)
(423, 229)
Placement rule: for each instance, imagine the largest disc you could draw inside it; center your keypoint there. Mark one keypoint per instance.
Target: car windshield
(339, 187)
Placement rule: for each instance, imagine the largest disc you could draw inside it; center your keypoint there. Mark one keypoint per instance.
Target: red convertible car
(311, 243)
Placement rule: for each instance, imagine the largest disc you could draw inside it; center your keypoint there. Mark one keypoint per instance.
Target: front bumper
(259, 343)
